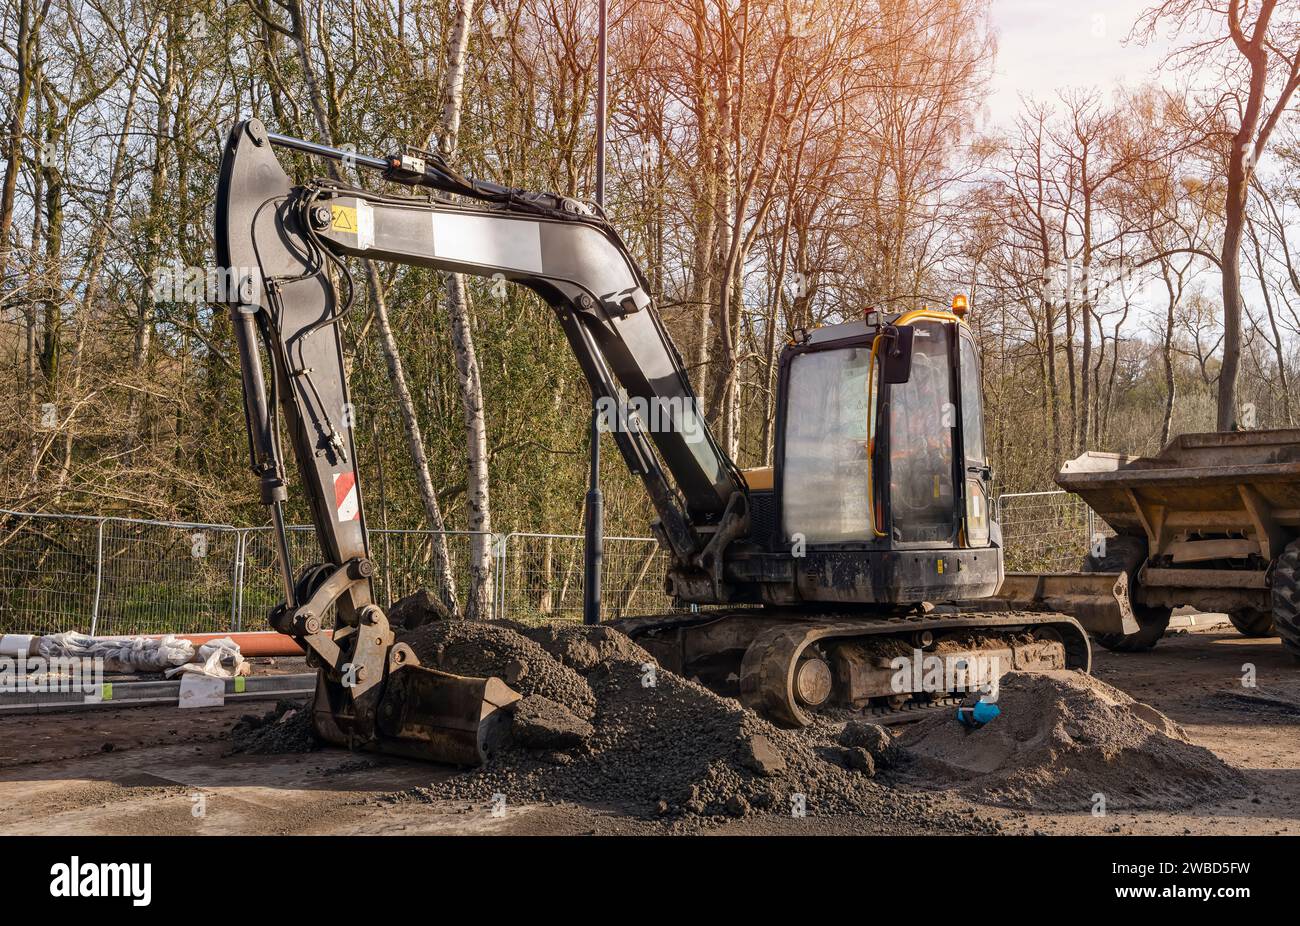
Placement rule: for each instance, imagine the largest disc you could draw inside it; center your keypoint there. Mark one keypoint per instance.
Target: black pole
(594, 541)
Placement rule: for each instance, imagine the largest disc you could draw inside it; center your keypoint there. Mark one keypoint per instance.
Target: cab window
(827, 431)
(972, 407)
(972, 432)
(921, 426)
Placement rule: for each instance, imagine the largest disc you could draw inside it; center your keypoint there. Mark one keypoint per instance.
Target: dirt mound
(585, 648)
(1062, 739)
(481, 648)
(657, 745)
(540, 723)
(284, 729)
(416, 609)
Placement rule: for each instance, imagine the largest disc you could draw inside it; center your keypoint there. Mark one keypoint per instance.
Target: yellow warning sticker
(239, 684)
(107, 693)
(343, 218)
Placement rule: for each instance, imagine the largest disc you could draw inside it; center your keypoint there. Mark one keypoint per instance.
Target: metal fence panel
(159, 578)
(127, 576)
(1044, 531)
(48, 573)
(407, 563)
(540, 578)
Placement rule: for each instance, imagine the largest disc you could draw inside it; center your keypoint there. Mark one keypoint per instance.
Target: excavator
(810, 579)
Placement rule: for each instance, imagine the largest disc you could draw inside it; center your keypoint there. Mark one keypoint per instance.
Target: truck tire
(1127, 554)
(1252, 622)
(1286, 598)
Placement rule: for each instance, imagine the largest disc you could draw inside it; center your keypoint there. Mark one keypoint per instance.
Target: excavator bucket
(456, 719)
(423, 713)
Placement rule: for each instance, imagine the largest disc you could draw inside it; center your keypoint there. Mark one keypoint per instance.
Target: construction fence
(109, 575)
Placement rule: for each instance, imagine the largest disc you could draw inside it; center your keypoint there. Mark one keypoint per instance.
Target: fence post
(243, 572)
(99, 575)
(501, 542)
(236, 623)
(501, 575)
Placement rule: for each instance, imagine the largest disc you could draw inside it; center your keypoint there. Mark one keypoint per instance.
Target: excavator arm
(281, 247)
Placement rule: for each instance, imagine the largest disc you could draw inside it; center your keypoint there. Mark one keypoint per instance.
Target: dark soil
(481, 648)
(602, 725)
(284, 729)
(660, 746)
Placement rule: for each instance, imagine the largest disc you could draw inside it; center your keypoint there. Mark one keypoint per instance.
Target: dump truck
(1211, 522)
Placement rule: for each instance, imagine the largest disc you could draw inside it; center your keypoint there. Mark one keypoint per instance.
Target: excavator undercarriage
(788, 665)
(820, 570)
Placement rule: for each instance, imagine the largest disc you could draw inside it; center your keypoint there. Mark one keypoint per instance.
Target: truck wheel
(1252, 622)
(1286, 597)
(1127, 554)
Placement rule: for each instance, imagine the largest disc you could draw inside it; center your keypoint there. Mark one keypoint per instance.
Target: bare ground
(157, 770)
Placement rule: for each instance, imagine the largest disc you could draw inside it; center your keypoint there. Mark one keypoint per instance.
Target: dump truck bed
(1241, 482)
(1212, 521)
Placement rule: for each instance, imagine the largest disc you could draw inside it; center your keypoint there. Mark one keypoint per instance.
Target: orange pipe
(251, 643)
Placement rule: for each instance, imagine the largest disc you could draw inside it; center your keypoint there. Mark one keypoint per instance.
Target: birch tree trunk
(442, 574)
(478, 601)
(443, 577)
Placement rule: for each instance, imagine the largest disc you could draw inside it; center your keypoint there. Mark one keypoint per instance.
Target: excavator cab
(879, 491)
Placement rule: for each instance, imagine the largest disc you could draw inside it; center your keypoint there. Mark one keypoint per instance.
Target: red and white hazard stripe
(345, 496)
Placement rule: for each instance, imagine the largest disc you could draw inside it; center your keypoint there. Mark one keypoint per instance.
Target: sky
(1045, 45)
(1048, 45)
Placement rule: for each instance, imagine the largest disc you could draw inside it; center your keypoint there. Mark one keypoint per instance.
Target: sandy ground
(157, 770)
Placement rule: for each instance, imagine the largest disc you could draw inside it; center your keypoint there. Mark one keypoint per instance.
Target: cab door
(976, 488)
(923, 428)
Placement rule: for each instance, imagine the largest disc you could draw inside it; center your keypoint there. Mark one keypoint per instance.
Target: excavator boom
(282, 247)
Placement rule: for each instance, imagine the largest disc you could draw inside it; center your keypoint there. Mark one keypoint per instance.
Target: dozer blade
(1099, 600)
(421, 713)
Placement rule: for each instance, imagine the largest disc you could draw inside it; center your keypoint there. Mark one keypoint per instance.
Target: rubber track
(767, 669)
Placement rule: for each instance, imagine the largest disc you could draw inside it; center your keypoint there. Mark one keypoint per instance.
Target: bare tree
(1246, 112)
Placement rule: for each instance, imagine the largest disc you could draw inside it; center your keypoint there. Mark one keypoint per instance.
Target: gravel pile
(284, 729)
(602, 724)
(1063, 738)
(481, 648)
